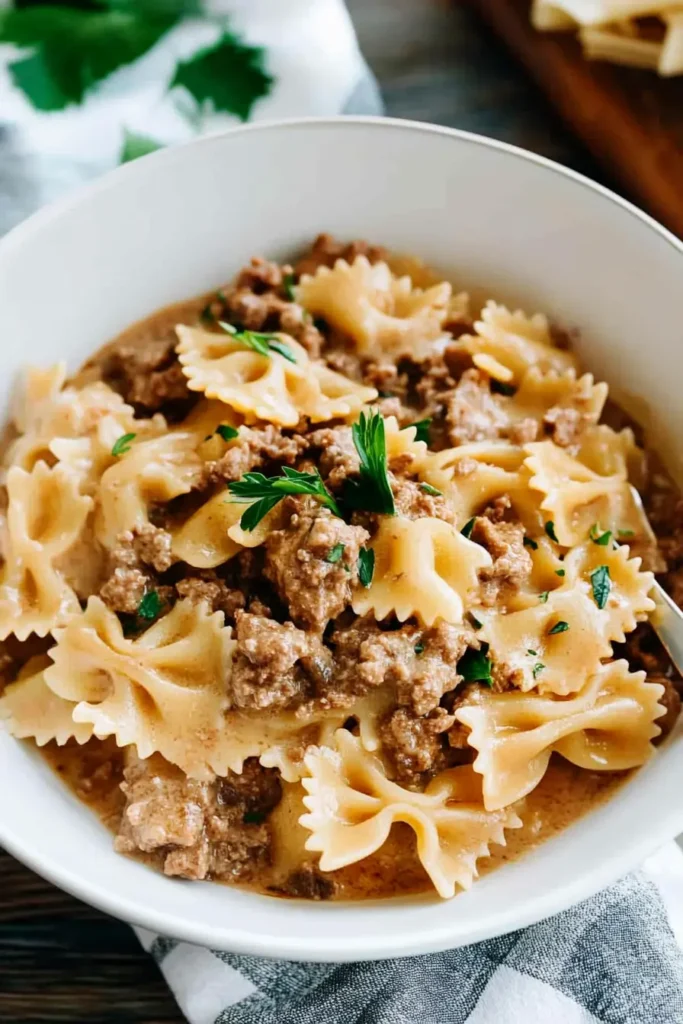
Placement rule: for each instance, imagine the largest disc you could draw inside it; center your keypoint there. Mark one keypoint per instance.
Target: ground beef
(199, 829)
(275, 664)
(308, 883)
(437, 375)
(387, 378)
(512, 562)
(133, 563)
(207, 586)
(256, 447)
(565, 425)
(524, 431)
(413, 502)
(148, 375)
(326, 250)
(414, 745)
(338, 457)
(645, 651)
(473, 413)
(313, 562)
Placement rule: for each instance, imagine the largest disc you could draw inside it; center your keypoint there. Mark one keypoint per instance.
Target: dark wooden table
(60, 960)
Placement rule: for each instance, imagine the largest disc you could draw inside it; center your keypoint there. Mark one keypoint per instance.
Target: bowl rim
(324, 948)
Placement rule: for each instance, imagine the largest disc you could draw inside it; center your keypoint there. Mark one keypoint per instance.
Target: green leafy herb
(475, 621)
(150, 605)
(502, 388)
(625, 533)
(559, 627)
(560, 572)
(122, 444)
(538, 667)
(266, 491)
(334, 554)
(468, 527)
(253, 817)
(550, 530)
(529, 543)
(475, 666)
(135, 145)
(207, 314)
(597, 537)
(543, 597)
(419, 648)
(601, 584)
(288, 282)
(532, 653)
(421, 429)
(227, 432)
(366, 566)
(428, 489)
(264, 344)
(229, 76)
(372, 492)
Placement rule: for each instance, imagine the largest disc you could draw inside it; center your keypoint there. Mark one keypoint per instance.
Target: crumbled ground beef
(208, 587)
(307, 883)
(473, 413)
(326, 250)
(413, 502)
(133, 563)
(524, 431)
(199, 829)
(565, 425)
(414, 745)
(512, 562)
(275, 664)
(313, 562)
(255, 447)
(338, 457)
(148, 376)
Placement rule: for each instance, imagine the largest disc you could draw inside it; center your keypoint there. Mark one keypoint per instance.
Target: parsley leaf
(259, 342)
(335, 554)
(543, 597)
(228, 75)
(559, 627)
(601, 584)
(532, 653)
(421, 429)
(475, 621)
(135, 146)
(288, 283)
(227, 432)
(475, 666)
(529, 543)
(372, 492)
(502, 387)
(267, 491)
(560, 572)
(468, 527)
(602, 539)
(122, 444)
(538, 667)
(550, 530)
(625, 533)
(419, 648)
(366, 566)
(428, 489)
(150, 605)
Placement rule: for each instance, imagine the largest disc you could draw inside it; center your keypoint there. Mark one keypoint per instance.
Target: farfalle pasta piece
(539, 392)
(607, 726)
(164, 691)
(515, 341)
(423, 567)
(272, 387)
(213, 535)
(352, 805)
(45, 517)
(627, 587)
(384, 314)
(30, 709)
(151, 471)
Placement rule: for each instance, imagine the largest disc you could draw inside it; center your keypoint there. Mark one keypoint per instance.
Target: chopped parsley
(372, 492)
(288, 283)
(543, 597)
(468, 527)
(421, 429)
(428, 489)
(538, 667)
(597, 537)
(334, 554)
(266, 491)
(475, 621)
(366, 566)
(559, 627)
(150, 605)
(601, 584)
(560, 572)
(625, 533)
(550, 530)
(502, 387)
(529, 543)
(207, 314)
(226, 432)
(419, 648)
(532, 653)
(259, 342)
(122, 444)
(475, 666)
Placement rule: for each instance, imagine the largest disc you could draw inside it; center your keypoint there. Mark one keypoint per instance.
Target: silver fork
(667, 617)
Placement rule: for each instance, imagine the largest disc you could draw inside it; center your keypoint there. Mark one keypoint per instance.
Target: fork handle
(667, 621)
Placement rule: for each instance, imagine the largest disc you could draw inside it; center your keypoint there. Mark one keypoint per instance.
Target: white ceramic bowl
(180, 222)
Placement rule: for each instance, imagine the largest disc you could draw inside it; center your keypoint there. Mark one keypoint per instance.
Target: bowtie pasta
(338, 589)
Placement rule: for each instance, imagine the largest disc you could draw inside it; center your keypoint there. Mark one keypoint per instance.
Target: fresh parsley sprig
(266, 491)
(372, 492)
(259, 342)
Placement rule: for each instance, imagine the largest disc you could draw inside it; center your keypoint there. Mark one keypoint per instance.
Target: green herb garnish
(475, 621)
(122, 444)
(468, 527)
(529, 543)
(207, 314)
(550, 530)
(226, 432)
(543, 597)
(266, 491)
(150, 605)
(475, 666)
(372, 492)
(597, 537)
(532, 653)
(421, 429)
(625, 533)
(502, 388)
(366, 566)
(560, 572)
(428, 489)
(334, 554)
(538, 667)
(253, 817)
(419, 648)
(559, 627)
(601, 584)
(259, 342)
(228, 75)
(288, 282)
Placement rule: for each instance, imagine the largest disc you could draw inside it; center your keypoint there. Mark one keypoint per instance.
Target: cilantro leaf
(468, 527)
(267, 491)
(475, 666)
(602, 539)
(366, 566)
(602, 584)
(529, 543)
(150, 605)
(550, 530)
(229, 75)
(122, 444)
(259, 342)
(559, 627)
(135, 146)
(372, 492)
(421, 429)
(334, 554)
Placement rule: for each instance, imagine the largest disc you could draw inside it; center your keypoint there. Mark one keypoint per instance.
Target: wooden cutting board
(631, 120)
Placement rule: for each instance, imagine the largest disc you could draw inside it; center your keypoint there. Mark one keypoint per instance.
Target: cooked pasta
(329, 590)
